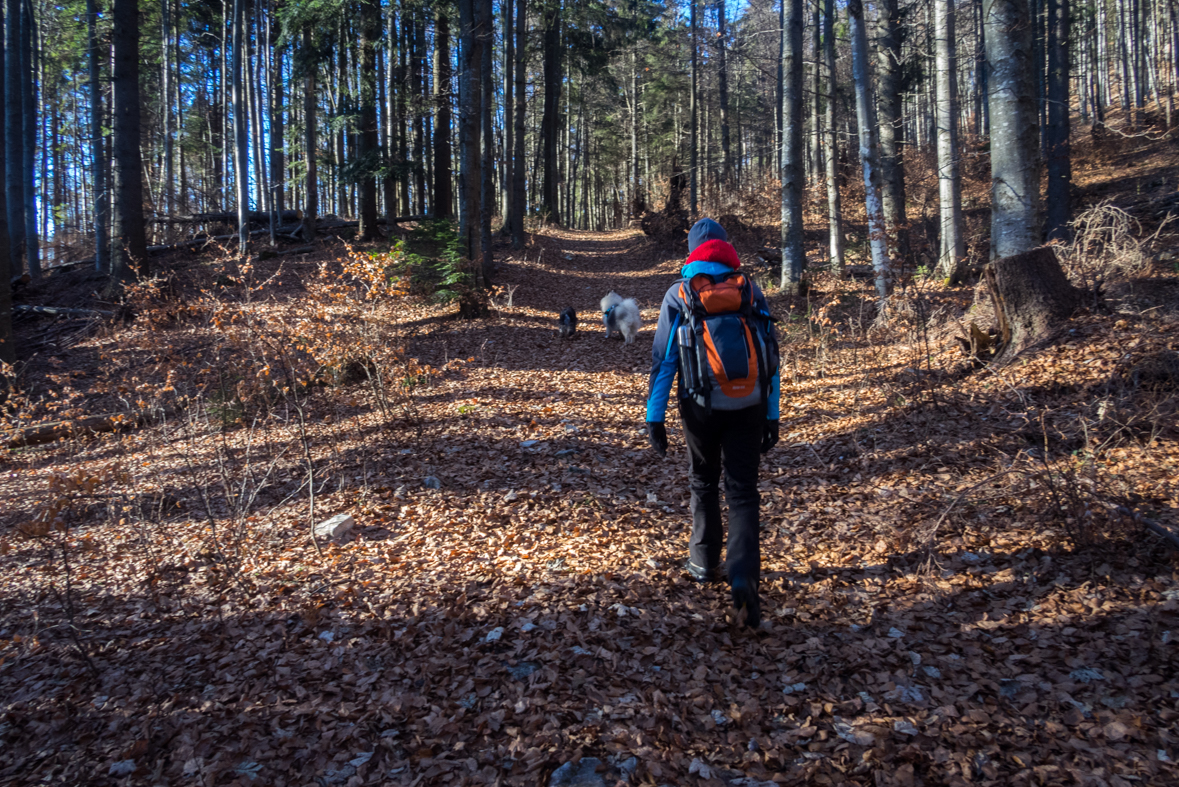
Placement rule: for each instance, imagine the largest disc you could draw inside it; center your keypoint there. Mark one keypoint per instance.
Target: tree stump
(1032, 298)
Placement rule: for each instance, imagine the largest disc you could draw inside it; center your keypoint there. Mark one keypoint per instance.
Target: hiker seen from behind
(717, 340)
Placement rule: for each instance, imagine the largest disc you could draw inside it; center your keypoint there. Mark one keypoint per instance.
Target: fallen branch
(1168, 535)
(345, 224)
(71, 264)
(225, 217)
(60, 311)
(299, 250)
(203, 240)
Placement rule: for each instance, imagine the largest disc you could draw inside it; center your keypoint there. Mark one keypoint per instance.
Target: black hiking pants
(728, 440)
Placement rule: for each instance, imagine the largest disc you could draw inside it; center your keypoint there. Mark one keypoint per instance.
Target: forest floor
(957, 583)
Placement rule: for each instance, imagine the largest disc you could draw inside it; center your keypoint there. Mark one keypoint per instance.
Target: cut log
(39, 434)
(1032, 299)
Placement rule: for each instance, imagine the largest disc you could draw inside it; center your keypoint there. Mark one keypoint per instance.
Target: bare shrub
(1107, 243)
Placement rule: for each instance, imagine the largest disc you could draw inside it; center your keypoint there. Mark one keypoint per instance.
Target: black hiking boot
(745, 598)
(700, 574)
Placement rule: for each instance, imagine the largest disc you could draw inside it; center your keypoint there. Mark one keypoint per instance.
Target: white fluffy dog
(622, 315)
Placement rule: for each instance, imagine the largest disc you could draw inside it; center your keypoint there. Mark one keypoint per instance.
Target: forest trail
(512, 597)
(565, 268)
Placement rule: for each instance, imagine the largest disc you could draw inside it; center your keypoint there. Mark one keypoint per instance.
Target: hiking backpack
(727, 342)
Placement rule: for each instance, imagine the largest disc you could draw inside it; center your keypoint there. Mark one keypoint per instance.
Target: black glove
(657, 434)
(769, 436)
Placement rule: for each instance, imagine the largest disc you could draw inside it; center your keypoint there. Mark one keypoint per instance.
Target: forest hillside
(968, 570)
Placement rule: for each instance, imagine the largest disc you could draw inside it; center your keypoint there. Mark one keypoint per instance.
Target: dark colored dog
(567, 322)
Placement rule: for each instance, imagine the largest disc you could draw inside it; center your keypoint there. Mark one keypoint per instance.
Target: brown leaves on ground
(949, 596)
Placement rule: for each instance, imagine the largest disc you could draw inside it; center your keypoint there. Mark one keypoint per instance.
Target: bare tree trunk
(393, 87)
(636, 191)
(509, 192)
(470, 88)
(892, 162)
(14, 141)
(29, 125)
(1138, 54)
(7, 345)
(486, 22)
(241, 163)
(1015, 137)
(869, 147)
(166, 101)
(403, 110)
(417, 87)
(310, 121)
(1057, 134)
(952, 256)
(518, 167)
(834, 208)
(443, 202)
(793, 253)
(102, 251)
(550, 203)
(223, 101)
(815, 142)
(275, 77)
(128, 236)
(253, 107)
(722, 78)
(367, 137)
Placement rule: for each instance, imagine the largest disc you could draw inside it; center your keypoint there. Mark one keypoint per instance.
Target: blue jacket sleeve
(773, 396)
(664, 361)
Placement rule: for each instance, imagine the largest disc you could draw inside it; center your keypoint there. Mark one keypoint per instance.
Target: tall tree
(869, 146)
(14, 133)
(1015, 135)
(550, 122)
(892, 127)
(310, 153)
(443, 198)
(277, 122)
(486, 23)
(793, 253)
(100, 195)
(637, 200)
(982, 124)
(7, 345)
(722, 82)
(241, 122)
(470, 114)
(417, 89)
(952, 258)
(834, 206)
(520, 166)
(1056, 137)
(166, 102)
(128, 232)
(509, 193)
(28, 96)
(368, 147)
